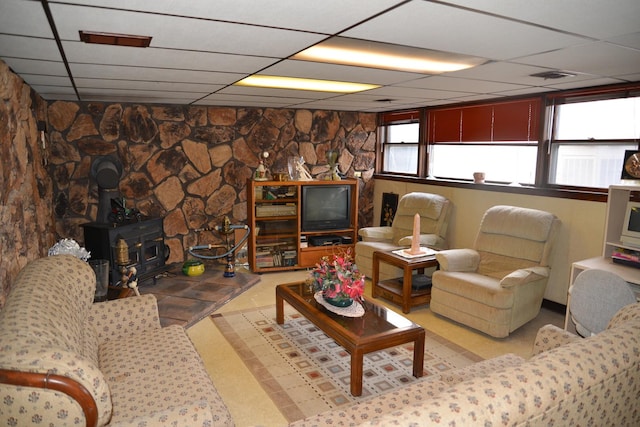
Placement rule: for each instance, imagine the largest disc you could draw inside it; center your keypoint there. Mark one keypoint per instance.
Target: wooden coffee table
(399, 289)
(377, 329)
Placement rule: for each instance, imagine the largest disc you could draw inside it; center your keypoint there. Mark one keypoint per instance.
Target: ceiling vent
(115, 39)
(553, 75)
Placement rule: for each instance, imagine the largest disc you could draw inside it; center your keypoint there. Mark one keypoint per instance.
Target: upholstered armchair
(434, 211)
(498, 285)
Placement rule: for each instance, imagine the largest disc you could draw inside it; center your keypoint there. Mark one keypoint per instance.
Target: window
(579, 147)
(589, 140)
(503, 163)
(400, 137)
(499, 139)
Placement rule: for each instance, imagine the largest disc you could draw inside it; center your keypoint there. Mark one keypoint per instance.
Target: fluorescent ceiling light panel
(346, 51)
(278, 82)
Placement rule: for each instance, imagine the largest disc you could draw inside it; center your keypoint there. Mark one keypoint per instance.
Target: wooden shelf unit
(274, 213)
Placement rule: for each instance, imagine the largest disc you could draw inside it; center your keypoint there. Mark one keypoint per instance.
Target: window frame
(546, 116)
(399, 118)
(499, 123)
(551, 143)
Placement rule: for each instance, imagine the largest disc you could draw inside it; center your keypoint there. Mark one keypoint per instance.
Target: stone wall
(189, 164)
(26, 191)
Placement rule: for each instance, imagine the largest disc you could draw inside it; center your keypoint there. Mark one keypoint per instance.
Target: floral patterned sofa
(67, 361)
(568, 381)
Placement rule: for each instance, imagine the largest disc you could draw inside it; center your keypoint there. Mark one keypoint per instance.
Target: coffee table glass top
(378, 319)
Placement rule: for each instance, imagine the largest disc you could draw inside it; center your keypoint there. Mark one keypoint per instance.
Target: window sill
(596, 195)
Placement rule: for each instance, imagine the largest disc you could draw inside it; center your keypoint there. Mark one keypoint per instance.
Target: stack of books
(626, 257)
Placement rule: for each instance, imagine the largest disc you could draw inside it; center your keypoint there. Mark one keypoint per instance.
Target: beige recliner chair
(497, 286)
(434, 211)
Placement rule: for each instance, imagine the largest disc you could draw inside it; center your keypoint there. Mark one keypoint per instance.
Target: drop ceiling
(200, 48)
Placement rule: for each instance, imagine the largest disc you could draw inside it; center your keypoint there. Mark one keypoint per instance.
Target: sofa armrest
(376, 234)
(550, 337)
(481, 369)
(626, 313)
(458, 260)
(197, 414)
(523, 276)
(124, 316)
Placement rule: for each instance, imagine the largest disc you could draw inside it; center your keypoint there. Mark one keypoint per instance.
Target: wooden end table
(399, 290)
(377, 329)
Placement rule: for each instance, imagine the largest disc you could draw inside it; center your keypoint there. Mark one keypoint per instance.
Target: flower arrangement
(338, 278)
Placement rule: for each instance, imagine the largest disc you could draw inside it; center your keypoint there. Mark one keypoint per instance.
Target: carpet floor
(305, 372)
(185, 300)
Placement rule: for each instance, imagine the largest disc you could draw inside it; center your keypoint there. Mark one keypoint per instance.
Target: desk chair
(595, 297)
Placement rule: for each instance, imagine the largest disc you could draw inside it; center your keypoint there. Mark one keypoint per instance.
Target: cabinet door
(276, 242)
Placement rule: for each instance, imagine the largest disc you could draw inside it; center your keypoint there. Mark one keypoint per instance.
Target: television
(631, 226)
(325, 207)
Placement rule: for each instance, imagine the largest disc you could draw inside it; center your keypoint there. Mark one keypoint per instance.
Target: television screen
(634, 219)
(326, 207)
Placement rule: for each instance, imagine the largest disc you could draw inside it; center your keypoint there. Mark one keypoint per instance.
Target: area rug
(305, 372)
(185, 300)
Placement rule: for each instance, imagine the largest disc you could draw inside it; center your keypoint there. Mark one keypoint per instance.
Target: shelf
(278, 200)
(391, 289)
(323, 232)
(618, 197)
(277, 218)
(629, 274)
(276, 223)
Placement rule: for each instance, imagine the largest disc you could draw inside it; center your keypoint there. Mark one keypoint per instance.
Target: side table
(399, 290)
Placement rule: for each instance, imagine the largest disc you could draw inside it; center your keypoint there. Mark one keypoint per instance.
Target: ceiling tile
(628, 40)
(508, 73)
(592, 18)
(152, 74)
(35, 66)
(568, 84)
(445, 28)
(36, 80)
(147, 85)
(29, 48)
(79, 52)
(461, 85)
(33, 20)
(612, 59)
(326, 16)
(182, 33)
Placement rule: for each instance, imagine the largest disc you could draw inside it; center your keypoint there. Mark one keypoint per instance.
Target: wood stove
(145, 239)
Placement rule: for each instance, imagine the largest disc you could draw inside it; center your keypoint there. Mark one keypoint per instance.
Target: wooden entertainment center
(275, 213)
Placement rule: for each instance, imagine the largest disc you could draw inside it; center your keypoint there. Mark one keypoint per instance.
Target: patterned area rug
(185, 300)
(305, 372)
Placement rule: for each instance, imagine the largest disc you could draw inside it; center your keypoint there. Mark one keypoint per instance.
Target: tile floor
(251, 406)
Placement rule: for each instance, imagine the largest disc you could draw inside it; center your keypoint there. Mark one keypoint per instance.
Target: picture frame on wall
(389, 207)
(631, 165)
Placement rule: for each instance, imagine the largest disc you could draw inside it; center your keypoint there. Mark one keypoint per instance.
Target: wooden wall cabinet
(277, 242)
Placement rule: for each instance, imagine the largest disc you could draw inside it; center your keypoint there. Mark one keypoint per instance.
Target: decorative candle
(415, 240)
